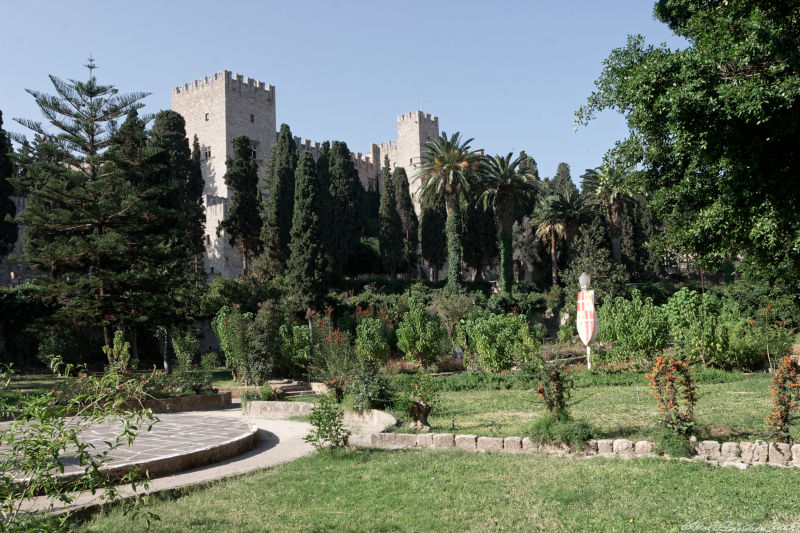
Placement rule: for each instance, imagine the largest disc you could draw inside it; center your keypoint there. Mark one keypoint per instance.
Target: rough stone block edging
(738, 454)
(193, 402)
(287, 409)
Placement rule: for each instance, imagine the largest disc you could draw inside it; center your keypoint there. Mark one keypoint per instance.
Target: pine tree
(241, 221)
(279, 204)
(405, 208)
(562, 178)
(433, 241)
(182, 169)
(308, 266)
(77, 214)
(391, 237)
(345, 212)
(8, 229)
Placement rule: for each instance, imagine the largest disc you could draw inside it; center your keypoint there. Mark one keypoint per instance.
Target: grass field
(460, 491)
(733, 410)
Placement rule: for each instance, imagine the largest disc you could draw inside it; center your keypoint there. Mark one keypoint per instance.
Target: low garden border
(736, 454)
(287, 409)
(194, 402)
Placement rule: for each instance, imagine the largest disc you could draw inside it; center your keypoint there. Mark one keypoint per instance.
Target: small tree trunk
(420, 411)
(554, 259)
(165, 352)
(107, 340)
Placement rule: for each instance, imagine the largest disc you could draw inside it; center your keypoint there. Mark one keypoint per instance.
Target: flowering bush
(785, 388)
(673, 389)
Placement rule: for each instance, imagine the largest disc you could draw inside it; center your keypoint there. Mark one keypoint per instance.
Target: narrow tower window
(252, 118)
(206, 117)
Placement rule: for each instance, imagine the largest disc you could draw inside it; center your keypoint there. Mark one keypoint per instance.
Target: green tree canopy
(308, 266)
(279, 204)
(405, 207)
(8, 229)
(344, 208)
(391, 226)
(433, 242)
(717, 126)
(242, 220)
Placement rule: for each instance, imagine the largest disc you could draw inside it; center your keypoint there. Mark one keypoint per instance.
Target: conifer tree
(76, 213)
(405, 207)
(8, 229)
(279, 205)
(345, 212)
(241, 221)
(308, 266)
(480, 238)
(433, 242)
(181, 168)
(391, 236)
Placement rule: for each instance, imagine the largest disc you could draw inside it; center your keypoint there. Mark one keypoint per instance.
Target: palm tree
(556, 217)
(448, 168)
(501, 183)
(606, 188)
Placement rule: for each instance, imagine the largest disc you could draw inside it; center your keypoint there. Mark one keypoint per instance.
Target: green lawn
(733, 410)
(460, 491)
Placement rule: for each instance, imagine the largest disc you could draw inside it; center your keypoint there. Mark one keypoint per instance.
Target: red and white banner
(586, 317)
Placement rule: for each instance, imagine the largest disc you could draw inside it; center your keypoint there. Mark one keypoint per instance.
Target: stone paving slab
(176, 442)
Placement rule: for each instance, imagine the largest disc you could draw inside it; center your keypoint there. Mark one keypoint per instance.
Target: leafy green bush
(119, 354)
(265, 394)
(368, 388)
(44, 434)
(696, 328)
(372, 339)
(294, 349)
(327, 421)
(551, 428)
(565, 334)
(501, 341)
(333, 356)
(421, 334)
(671, 443)
(185, 347)
(638, 328)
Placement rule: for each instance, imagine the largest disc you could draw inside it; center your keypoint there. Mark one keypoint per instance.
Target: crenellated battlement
(228, 78)
(307, 145)
(419, 115)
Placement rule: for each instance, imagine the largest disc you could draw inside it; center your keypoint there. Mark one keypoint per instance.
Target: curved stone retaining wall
(197, 402)
(738, 454)
(287, 409)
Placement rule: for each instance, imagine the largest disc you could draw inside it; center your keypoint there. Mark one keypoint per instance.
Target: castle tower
(414, 129)
(218, 108)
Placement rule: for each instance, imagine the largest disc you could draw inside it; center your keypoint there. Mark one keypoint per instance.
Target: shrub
(230, 326)
(372, 339)
(452, 308)
(673, 389)
(368, 388)
(565, 332)
(696, 327)
(553, 429)
(265, 340)
(554, 390)
(421, 335)
(294, 350)
(265, 394)
(418, 397)
(185, 349)
(501, 341)
(670, 443)
(637, 328)
(119, 354)
(327, 421)
(785, 389)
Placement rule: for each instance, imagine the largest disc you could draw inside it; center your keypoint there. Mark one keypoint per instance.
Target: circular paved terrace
(178, 441)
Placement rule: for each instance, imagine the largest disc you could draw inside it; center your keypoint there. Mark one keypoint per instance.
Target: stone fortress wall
(225, 105)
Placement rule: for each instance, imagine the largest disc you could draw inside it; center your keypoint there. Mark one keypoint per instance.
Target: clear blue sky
(508, 73)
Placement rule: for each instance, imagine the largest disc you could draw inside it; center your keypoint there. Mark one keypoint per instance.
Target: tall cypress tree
(279, 205)
(241, 221)
(8, 229)
(345, 210)
(308, 266)
(76, 213)
(194, 193)
(405, 207)
(433, 242)
(391, 236)
(480, 238)
(182, 169)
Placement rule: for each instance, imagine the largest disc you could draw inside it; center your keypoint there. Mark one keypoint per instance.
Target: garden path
(280, 441)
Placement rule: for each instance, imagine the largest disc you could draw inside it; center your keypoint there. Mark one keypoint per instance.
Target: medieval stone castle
(225, 105)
